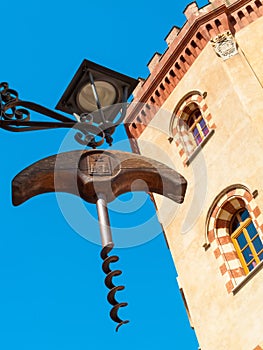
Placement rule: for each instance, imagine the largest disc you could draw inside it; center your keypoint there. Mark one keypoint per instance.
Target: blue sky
(52, 293)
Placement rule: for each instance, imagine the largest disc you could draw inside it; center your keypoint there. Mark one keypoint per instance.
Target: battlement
(184, 46)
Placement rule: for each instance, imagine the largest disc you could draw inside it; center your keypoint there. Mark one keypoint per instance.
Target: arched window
(191, 125)
(197, 126)
(235, 234)
(246, 240)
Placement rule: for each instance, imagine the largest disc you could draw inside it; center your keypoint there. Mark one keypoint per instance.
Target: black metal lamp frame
(93, 128)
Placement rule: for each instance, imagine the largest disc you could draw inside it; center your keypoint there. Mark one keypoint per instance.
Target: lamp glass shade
(106, 92)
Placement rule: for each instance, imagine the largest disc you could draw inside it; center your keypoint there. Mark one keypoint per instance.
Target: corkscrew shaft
(107, 246)
(104, 222)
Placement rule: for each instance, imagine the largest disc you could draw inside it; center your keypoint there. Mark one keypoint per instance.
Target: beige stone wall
(233, 155)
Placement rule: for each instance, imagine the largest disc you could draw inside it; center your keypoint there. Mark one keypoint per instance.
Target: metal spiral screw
(107, 246)
(107, 260)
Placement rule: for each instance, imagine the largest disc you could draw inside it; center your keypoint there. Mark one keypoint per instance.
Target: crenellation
(154, 61)
(217, 2)
(191, 10)
(172, 35)
(139, 86)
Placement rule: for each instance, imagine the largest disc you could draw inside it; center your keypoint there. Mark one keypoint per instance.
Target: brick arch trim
(192, 100)
(193, 95)
(216, 202)
(236, 190)
(217, 230)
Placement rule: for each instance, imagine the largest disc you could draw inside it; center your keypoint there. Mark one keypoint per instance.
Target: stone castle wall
(214, 61)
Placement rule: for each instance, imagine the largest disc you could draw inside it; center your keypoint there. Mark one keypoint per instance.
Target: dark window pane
(190, 122)
(199, 139)
(195, 132)
(205, 131)
(257, 244)
(241, 240)
(197, 113)
(260, 256)
(247, 254)
(244, 215)
(235, 224)
(251, 230)
(252, 265)
(202, 123)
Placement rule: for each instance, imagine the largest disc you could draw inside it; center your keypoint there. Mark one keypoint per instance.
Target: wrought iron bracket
(15, 116)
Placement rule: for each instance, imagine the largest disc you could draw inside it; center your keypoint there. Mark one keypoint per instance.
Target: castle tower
(200, 111)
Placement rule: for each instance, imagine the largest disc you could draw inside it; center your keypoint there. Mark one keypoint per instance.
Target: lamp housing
(110, 88)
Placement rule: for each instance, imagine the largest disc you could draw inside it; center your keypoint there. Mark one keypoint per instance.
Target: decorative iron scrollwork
(16, 117)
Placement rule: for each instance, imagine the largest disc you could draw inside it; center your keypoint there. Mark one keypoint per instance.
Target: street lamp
(97, 98)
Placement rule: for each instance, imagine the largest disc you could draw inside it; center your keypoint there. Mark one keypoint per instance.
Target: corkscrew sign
(99, 177)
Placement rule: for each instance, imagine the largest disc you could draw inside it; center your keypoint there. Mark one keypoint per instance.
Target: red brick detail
(204, 108)
(239, 272)
(224, 240)
(211, 236)
(223, 269)
(221, 223)
(168, 87)
(181, 152)
(231, 193)
(229, 286)
(189, 100)
(231, 256)
(256, 212)
(230, 208)
(179, 113)
(217, 253)
(215, 211)
(209, 117)
(248, 196)
(199, 99)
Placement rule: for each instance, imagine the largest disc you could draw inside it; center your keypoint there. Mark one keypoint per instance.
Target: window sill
(198, 148)
(248, 277)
